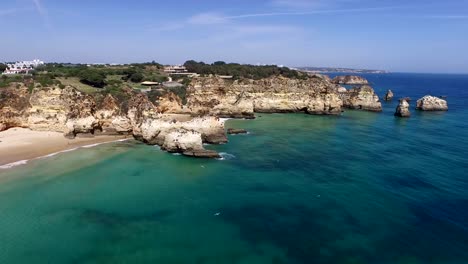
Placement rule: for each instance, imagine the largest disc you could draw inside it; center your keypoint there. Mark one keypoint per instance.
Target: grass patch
(75, 82)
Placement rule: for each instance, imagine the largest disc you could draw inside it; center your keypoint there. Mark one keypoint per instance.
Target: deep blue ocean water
(359, 188)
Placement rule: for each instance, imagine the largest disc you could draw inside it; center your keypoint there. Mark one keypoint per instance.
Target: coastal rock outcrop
(402, 109)
(388, 96)
(77, 114)
(349, 79)
(241, 98)
(154, 130)
(431, 103)
(362, 98)
(187, 142)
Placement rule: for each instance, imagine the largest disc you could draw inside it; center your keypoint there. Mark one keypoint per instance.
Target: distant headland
(343, 70)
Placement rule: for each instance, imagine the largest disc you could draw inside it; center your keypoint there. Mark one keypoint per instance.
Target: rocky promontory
(74, 113)
(242, 98)
(349, 80)
(431, 103)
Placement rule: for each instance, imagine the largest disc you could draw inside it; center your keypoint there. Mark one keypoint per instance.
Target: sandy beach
(19, 144)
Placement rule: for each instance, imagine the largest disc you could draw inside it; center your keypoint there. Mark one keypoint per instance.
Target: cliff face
(13, 103)
(73, 113)
(241, 98)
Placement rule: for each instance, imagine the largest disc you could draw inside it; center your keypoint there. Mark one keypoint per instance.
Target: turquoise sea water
(360, 188)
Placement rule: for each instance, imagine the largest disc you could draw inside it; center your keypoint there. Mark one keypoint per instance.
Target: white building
(22, 67)
(175, 69)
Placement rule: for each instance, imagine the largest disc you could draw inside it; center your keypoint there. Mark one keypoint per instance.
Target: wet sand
(19, 144)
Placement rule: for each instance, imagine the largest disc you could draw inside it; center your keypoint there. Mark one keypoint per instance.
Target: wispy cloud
(448, 16)
(296, 4)
(315, 12)
(42, 11)
(10, 11)
(217, 18)
(207, 18)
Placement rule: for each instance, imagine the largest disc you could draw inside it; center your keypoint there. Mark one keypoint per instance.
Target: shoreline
(19, 145)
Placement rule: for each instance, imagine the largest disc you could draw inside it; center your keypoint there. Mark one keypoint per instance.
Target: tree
(93, 77)
(2, 67)
(137, 77)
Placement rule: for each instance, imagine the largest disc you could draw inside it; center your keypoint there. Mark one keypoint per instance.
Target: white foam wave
(224, 119)
(226, 156)
(23, 162)
(13, 164)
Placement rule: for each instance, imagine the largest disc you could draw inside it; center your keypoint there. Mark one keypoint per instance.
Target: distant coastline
(340, 70)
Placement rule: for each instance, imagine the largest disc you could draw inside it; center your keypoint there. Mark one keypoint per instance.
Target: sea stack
(362, 98)
(431, 103)
(402, 109)
(388, 95)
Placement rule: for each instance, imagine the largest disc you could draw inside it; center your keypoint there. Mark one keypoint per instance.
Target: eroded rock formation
(74, 113)
(402, 109)
(388, 96)
(362, 98)
(431, 103)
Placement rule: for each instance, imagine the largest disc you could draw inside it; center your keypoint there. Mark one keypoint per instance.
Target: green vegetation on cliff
(242, 70)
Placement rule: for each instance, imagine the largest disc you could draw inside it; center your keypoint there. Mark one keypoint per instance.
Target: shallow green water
(360, 188)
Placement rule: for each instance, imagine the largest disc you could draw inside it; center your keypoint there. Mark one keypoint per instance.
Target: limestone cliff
(73, 113)
(241, 98)
(13, 103)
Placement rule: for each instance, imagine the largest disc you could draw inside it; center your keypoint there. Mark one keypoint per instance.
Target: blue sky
(413, 36)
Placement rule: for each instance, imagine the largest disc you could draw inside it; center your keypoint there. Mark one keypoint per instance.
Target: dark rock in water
(235, 131)
(388, 95)
(402, 109)
(202, 153)
(431, 103)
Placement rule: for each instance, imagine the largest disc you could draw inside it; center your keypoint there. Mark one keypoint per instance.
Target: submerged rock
(388, 95)
(349, 79)
(362, 98)
(431, 103)
(235, 131)
(204, 153)
(402, 109)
